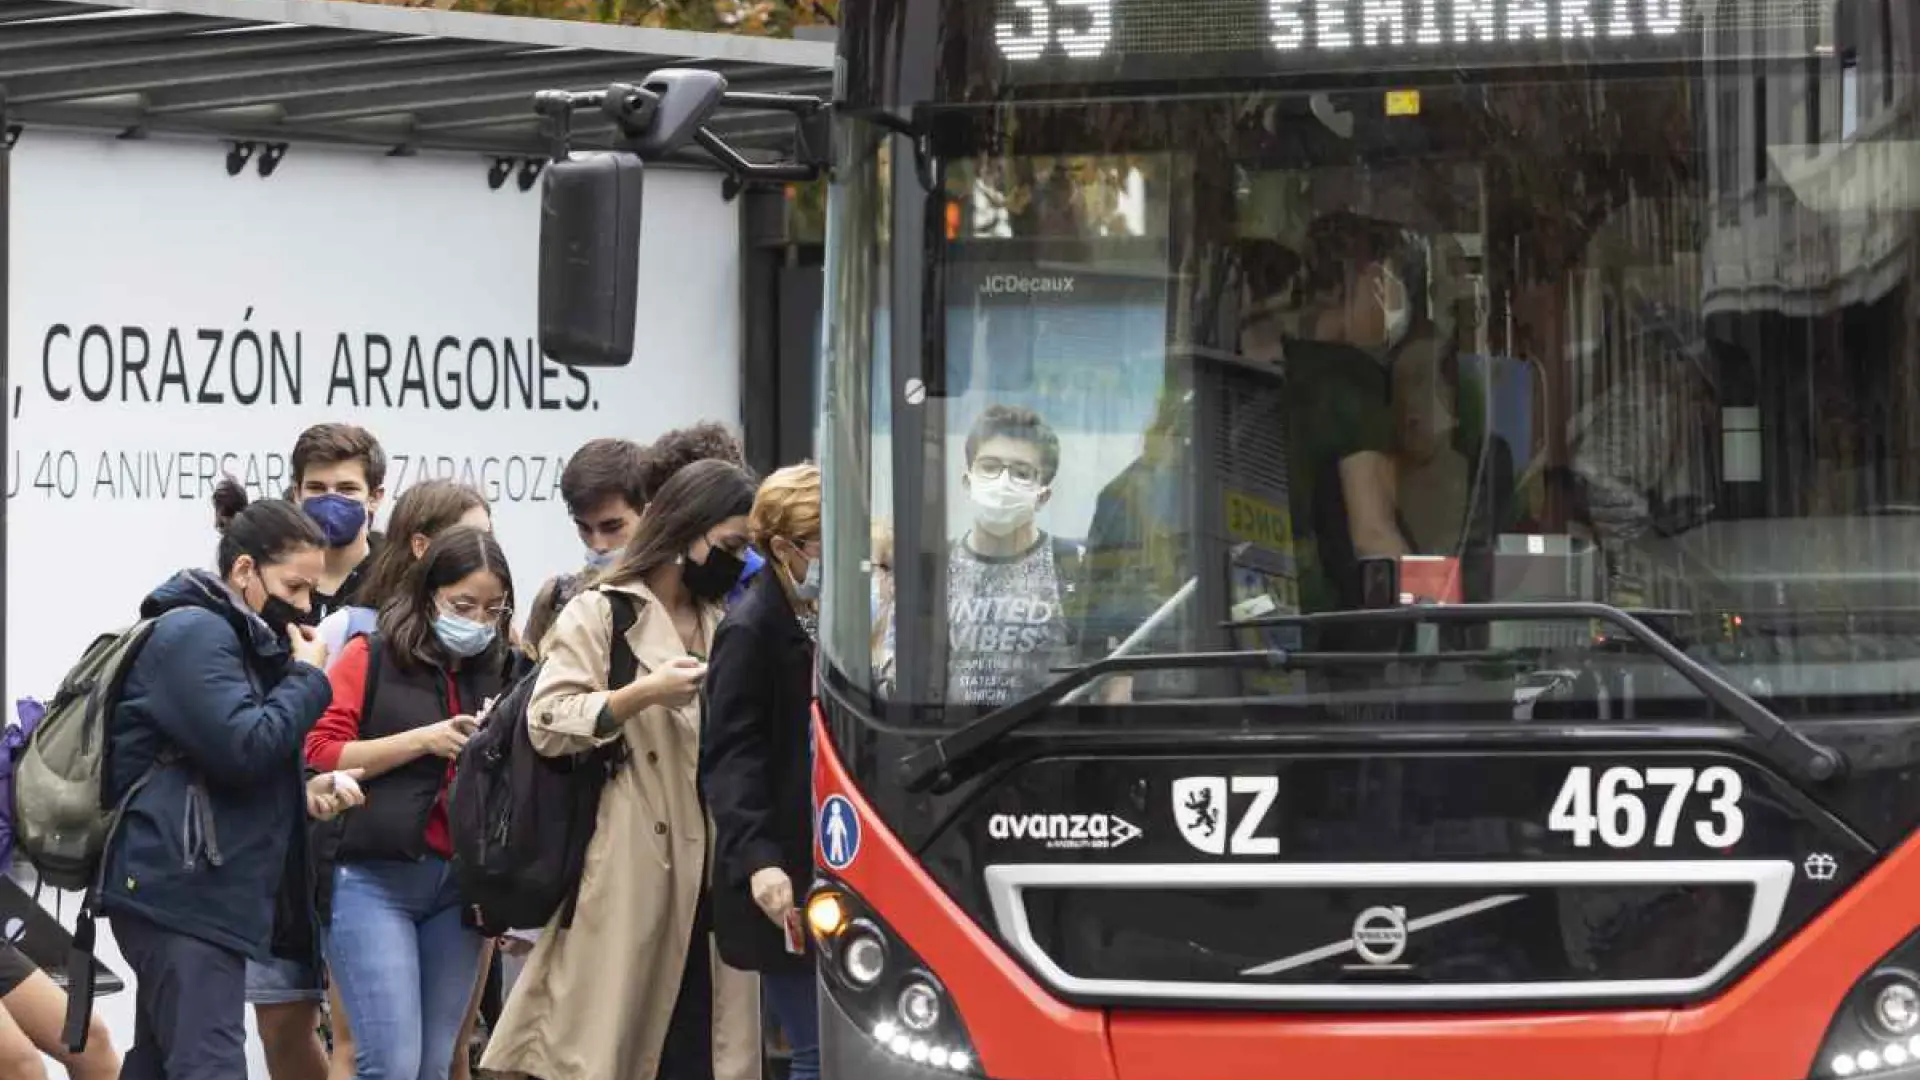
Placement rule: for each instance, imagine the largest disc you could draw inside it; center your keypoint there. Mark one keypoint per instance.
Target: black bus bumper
(849, 1053)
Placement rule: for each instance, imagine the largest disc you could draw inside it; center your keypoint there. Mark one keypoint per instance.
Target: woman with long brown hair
(632, 990)
(423, 512)
(403, 705)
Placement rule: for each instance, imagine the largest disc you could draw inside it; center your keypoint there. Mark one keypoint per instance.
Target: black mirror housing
(590, 258)
(686, 98)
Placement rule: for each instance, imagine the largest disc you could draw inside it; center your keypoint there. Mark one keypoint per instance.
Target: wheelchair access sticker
(839, 832)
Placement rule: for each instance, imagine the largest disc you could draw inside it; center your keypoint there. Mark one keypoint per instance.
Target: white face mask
(1391, 292)
(1444, 420)
(1001, 508)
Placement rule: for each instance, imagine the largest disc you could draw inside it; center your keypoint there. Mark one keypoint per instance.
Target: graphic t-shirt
(1007, 623)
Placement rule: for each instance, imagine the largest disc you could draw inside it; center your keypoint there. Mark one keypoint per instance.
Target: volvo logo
(1380, 935)
(1379, 938)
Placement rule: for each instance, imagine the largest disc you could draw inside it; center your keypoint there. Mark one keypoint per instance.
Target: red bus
(1365, 538)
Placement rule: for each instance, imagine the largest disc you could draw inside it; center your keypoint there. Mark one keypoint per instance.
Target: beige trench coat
(595, 999)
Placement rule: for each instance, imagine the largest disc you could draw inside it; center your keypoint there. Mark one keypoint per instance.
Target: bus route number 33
(1627, 803)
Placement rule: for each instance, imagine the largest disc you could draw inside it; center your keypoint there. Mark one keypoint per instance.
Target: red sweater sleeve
(340, 724)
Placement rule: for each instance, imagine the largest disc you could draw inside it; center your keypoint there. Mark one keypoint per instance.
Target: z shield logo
(1206, 820)
(1199, 802)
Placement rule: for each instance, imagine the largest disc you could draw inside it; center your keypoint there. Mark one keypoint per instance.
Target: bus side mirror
(590, 258)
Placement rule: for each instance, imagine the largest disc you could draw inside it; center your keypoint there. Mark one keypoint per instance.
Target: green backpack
(60, 820)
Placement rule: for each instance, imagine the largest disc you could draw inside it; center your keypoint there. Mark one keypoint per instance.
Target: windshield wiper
(1779, 740)
(939, 767)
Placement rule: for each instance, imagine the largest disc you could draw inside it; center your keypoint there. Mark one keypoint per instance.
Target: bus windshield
(1115, 364)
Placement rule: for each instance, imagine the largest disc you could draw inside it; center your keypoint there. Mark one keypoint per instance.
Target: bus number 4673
(1621, 806)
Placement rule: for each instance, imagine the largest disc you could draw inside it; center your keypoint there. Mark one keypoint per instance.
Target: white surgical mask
(1002, 508)
(808, 587)
(1444, 419)
(1398, 312)
(600, 560)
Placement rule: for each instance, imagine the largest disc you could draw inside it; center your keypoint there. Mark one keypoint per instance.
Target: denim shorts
(282, 982)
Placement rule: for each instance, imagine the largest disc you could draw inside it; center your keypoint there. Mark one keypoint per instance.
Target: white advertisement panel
(171, 323)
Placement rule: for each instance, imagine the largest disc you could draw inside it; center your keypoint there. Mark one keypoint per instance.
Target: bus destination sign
(1095, 38)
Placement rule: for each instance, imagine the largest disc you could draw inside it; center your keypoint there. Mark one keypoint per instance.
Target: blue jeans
(282, 982)
(797, 1008)
(404, 964)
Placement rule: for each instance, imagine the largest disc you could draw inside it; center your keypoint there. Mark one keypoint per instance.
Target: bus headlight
(863, 957)
(1896, 1007)
(1876, 1030)
(919, 1005)
(884, 988)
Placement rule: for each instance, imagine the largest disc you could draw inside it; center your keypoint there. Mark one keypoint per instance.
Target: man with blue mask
(339, 478)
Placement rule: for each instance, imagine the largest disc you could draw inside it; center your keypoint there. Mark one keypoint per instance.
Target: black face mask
(279, 614)
(714, 579)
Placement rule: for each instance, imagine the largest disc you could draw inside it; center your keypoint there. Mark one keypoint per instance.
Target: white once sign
(170, 323)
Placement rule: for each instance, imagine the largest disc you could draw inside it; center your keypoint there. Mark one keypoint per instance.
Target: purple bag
(13, 740)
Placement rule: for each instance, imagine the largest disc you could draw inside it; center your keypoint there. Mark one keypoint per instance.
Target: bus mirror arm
(656, 118)
(670, 109)
(1779, 741)
(741, 170)
(941, 767)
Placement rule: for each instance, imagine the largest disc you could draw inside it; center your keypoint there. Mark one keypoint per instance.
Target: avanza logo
(1087, 832)
(1025, 284)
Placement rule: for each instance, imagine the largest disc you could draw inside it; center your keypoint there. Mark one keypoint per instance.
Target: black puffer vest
(400, 698)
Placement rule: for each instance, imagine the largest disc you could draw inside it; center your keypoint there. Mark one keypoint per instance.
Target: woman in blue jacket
(210, 726)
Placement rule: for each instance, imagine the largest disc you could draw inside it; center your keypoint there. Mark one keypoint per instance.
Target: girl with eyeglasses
(403, 705)
(422, 513)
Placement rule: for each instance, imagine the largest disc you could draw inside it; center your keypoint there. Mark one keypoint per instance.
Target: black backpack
(521, 822)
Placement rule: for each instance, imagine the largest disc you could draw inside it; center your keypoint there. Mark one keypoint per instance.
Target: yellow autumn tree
(768, 17)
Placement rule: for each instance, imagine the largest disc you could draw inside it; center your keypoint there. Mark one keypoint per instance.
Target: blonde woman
(755, 764)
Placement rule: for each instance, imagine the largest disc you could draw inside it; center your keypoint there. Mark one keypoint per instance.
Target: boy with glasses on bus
(1008, 582)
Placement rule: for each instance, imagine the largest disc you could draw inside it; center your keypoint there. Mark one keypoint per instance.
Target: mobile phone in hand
(796, 936)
